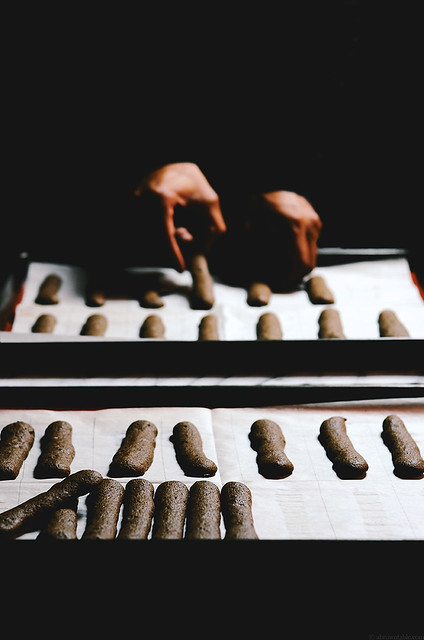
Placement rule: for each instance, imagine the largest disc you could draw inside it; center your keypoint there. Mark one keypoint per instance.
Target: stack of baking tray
(101, 384)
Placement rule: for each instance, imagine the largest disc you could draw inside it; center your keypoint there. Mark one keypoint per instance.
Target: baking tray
(63, 356)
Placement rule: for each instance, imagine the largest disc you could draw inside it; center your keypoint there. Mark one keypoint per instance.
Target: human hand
(284, 230)
(183, 192)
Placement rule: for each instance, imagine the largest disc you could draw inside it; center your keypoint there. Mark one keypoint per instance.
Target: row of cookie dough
(171, 512)
(135, 454)
(201, 296)
(268, 326)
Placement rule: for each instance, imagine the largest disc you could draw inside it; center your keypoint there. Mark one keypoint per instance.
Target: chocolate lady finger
(259, 294)
(152, 327)
(208, 328)
(390, 326)
(135, 455)
(330, 324)
(171, 499)
(202, 296)
(406, 456)
(268, 440)
(203, 512)
(62, 524)
(138, 510)
(95, 325)
(103, 506)
(44, 323)
(347, 462)
(27, 514)
(189, 451)
(318, 291)
(236, 506)
(57, 451)
(47, 293)
(268, 327)
(16, 441)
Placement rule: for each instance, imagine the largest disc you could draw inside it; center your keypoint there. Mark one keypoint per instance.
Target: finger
(171, 234)
(217, 225)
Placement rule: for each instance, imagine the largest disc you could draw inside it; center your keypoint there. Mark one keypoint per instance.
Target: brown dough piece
(95, 298)
(259, 294)
(44, 323)
(390, 326)
(62, 524)
(47, 293)
(208, 328)
(135, 455)
(16, 441)
(103, 506)
(202, 296)
(95, 325)
(152, 327)
(151, 299)
(347, 462)
(236, 506)
(27, 514)
(189, 451)
(330, 324)
(269, 327)
(171, 499)
(57, 451)
(138, 510)
(268, 440)
(318, 291)
(406, 456)
(203, 512)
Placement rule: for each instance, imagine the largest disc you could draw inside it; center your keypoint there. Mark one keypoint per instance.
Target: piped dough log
(406, 455)
(16, 441)
(267, 439)
(347, 462)
(390, 326)
(236, 506)
(202, 295)
(269, 327)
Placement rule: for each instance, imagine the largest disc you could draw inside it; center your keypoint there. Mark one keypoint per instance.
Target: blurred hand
(286, 229)
(184, 192)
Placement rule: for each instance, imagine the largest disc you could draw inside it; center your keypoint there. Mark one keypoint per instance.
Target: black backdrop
(319, 97)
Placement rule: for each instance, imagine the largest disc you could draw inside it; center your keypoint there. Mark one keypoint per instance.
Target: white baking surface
(312, 503)
(361, 289)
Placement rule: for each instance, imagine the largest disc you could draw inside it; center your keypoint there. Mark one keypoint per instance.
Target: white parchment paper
(312, 503)
(361, 290)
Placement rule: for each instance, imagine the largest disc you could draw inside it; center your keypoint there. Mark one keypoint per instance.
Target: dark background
(322, 98)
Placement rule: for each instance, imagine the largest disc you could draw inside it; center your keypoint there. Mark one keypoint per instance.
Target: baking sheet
(361, 289)
(311, 504)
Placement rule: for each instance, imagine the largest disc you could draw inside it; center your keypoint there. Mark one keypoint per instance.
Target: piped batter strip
(136, 452)
(47, 293)
(318, 291)
(202, 294)
(347, 462)
(95, 325)
(45, 323)
(268, 440)
(138, 510)
(16, 441)
(208, 327)
(269, 327)
(406, 455)
(390, 326)
(330, 324)
(259, 294)
(171, 499)
(151, 299)
(62, 525)
(189, 451)
(27, 515)
(203, 512)
(103, 506)
(152, 327)
(236, 506)
(57, 451)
